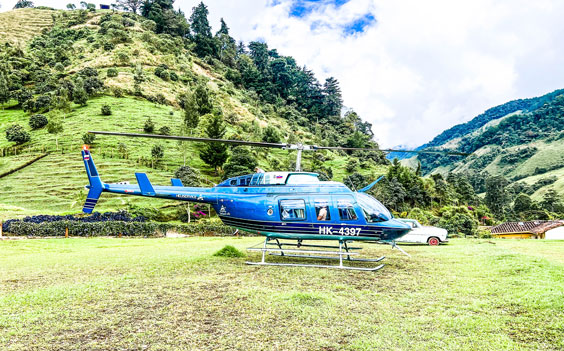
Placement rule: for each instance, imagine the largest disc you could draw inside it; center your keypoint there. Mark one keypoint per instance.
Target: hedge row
(112, 228)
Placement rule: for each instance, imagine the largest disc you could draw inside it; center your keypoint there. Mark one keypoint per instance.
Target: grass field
(159, 294)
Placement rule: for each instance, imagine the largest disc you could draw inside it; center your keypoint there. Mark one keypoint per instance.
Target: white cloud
(424, 67)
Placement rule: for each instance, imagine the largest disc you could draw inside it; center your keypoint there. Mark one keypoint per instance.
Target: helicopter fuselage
(284, 205)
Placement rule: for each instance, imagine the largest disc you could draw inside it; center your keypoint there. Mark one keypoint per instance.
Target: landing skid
(344, 250)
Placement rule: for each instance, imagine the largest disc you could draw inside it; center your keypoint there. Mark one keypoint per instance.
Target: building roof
(534, 227)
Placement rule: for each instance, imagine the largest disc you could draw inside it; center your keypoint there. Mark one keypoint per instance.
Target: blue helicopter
(296, 206)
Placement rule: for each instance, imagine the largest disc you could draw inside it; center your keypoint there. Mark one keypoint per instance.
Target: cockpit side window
(292, 210)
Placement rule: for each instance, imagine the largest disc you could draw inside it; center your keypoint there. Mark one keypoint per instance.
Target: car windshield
(374, 210)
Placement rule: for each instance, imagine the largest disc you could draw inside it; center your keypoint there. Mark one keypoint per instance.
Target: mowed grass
(160, 294)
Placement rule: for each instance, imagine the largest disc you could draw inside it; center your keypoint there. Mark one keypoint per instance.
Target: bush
(229, 251)
(17, 134)
(88, 138)
(118, 92)
(149, 126)
(106, 110)
(112, 72)
(165, 130)
(188, 176)
(37, 121)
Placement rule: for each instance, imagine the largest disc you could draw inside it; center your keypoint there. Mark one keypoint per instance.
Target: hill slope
(122, 62)
(521, 140)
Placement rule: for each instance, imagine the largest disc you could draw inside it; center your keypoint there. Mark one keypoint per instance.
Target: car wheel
(433, 241)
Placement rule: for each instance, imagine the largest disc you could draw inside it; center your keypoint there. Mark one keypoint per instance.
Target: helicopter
(288, 205)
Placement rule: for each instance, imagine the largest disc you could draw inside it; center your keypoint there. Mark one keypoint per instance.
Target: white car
(423, 234)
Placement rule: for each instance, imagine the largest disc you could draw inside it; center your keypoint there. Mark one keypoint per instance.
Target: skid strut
(320, 253)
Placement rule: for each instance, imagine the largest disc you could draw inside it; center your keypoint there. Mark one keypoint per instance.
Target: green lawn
(161, 294)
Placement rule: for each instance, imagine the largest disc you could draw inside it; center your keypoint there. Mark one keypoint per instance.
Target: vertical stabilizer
(95, 182)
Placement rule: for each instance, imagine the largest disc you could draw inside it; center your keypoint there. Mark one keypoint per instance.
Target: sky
(412, 68)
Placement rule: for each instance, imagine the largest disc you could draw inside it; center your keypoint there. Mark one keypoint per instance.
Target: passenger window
(322, 210)
(292, 210)
(346, 210)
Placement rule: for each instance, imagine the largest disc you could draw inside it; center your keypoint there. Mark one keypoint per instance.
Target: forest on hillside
(47, 76)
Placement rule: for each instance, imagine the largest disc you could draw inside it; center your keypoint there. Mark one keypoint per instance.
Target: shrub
(88, 138)
(17, 134)
(108, 46)
(118, 92)
(112, 72)
(37, 121)
(173, 76)
(164, 130)
(149, 126)
(229, 251)
(106, 110)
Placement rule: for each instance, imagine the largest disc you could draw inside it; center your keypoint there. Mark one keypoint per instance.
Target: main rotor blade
(275, 145)
(454, 153)
(174, 137)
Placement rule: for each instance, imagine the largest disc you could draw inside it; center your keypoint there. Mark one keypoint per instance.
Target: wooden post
(66, 232)
(0, 229)
(120, 235)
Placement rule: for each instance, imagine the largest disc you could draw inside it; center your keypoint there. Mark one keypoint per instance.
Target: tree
(551, 201)
(88, 138)
(55, 127)
(149, 126)
(37, 121)
(332, 97)
(23, 4)
(203, 100)
(188, 176)
(241, 162)
(79, 95)
(191, 113)
(129, 5)
(497, 197)
(271, 135)
(4, 89)
(522, 203)
(17, 134)
(167, 20)
(157, 153)
(215, 154)
(201, 31)
(71, 6)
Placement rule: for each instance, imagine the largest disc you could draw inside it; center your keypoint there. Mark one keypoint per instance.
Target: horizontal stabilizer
(371, 185)
(144, 184)
(176, 182)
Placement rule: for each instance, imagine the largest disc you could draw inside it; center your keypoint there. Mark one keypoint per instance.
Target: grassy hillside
(523, 146)
(135, 94)
(19, 26)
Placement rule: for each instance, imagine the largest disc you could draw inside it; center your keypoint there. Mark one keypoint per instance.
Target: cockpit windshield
(373, 209)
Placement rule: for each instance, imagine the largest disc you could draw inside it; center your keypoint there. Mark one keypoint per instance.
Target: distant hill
(523, 140)
(153, 68)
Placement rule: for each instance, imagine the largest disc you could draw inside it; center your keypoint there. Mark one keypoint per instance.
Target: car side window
(292, 210)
